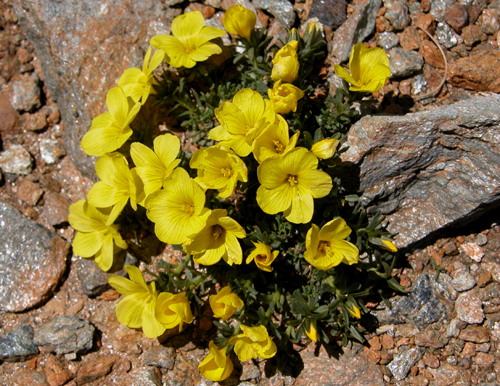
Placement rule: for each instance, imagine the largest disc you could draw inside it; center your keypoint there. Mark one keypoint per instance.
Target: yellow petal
(87, 244)
(104, 258)
(188, 24)
(151, 327)
(129, 309)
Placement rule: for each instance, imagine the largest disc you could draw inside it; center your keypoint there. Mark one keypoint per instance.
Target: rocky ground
(57, 319)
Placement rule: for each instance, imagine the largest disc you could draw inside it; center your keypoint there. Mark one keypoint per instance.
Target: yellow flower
(354, 311)
(284, 97)
(218, 169)
(242, 121)
(325, 149)
(239, 21)
(94, 237)
(369, 69)
(253, 343)
(274, 141)
(216, 366)
(137, 308)
(290, 183)
(109, 131)
(225, 303)
(178, 210)
(190, 42)
(155, 167)
(263, 256)
(136, 83)
(173, 310)
(312, 333)
(286, 63)
(389, 245)
(218, 239)
(326, 248)
(118, 184)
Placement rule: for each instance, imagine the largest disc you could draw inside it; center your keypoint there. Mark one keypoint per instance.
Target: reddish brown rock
(489, 21)
(426, 21)
(409, 39)
(56, 373)
(26, 376)
(472, 34)
(469, 350)
(478, 72)
(9, 116)
(55, 208)
(484, 278)
(387, 342)
(429, 338)
(431, 54)
(431, 360)
(447, 375)
(484, 360)
(29, 192)
(476, 334)
(457, 17)
(95, 368)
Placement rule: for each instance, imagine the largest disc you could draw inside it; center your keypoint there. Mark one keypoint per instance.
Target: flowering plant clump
(272, 244)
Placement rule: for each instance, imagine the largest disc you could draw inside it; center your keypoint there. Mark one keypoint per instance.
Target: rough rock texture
(73, 39)
(16, 160)
(331, 13)
(32, 261)
(427, 170)
(18, 345)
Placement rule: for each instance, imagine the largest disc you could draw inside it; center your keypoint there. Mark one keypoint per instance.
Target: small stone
(283, 11)
(483, 347)
(418, 83)
(374, 356)
(481, 239)
(440, 7)
(17, 345)
(473, 250)
(36, 122)
(428, 338)
(148, 377)
(330, 13)
(26, 376)
(489, 21)
(65, 334)
(471, 34)
(484, 360)
(450, 248)
(404, 361)
(16, 160)
(448, 374)
(56, 373)
(55, 209)
(464, 281)
(445, 35)
(475, 334)
(96, 368)
(409, 39)
(160, 357)
(431, 360)
(397, 14)
(404, 63)
(469, 350)
(387, 342)
(375, 343)
(9, 115)
(387, 40)
(469, 308)
(484, 278)
(453, 329)
(29, 192)
(249, 371)
(26, 94)
(51, 150)
(431, 54)
(457, 17)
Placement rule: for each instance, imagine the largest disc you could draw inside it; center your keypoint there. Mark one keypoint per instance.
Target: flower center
(292, 180)
(324, 246)
(216, 231)
(226, 172)
(188, 208)
(279, 146)
(261, 258)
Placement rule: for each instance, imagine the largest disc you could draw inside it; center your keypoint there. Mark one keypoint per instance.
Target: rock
(445, 35)
(33, 261)
(479, 72)
(457, 17)
(26, 94)
(404, 63)
(427, 170)
(29, 192)
(404, 361)
(463, 281)
(55, 208)
(387, 40)
(9, 115)
(51, 150)
(56, 373)
(95, 368)
(481, 239)
(26, 376)
(431, 54)
(473, 250)
(397, 14)
(359, 25)
(160, 356)
(36, 121)
(145, 377)
(472, 34)
(185, 371)
(18, 346)
(469, 308)
(448, 374)
(249, 371)
(283, 11)
(331, 13)
(16, 160)
(429, 338)
(409, 39)
(65, 334)
(489, 21)
(440, 7)
(72, 50)
(350, 369)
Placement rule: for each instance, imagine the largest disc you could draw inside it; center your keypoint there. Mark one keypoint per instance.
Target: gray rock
(26, 93)
(16, 160)
(48, 150)
(418, 83)
(415, 8)
(464, 281)
(427, 170)
(283, 11)
(72, 50)
(145, 377)
(331, 13)
(387, 40)
(440, 7)
(65, 334)
(400, 366)
(249, 371)
(160, 356)
(481, 239)
(359, 25)
(397, 14)
(32, 261)
(445, 35)
(17, 345)
(404, 63)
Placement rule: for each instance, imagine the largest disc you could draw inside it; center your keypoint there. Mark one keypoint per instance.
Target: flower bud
(284, 97)
(286, 63)
(354, 311)
(239, 21)
(389, 245)
(216, 366)
(325, 149)
(173, 310)
(225, 303)
(312, 333)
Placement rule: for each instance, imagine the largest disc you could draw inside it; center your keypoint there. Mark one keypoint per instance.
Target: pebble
(440, 7)
(472, 34)
(16, 160)
(404, 63)
(464, 281)
(9, 115)
(51, 150)
(475, 334)
(94, 368)
(29, 192)
(481, 239)
(429, 338)
(404, 361)
(65, 334)
(249, 371)
(36, 121)
(473, 250)
(160, 356)
(445, 35)
(17, 345)
(418, 83)
(457, 17)
(26, 376)
(387, 40)
(56, 373)
(469, 308)
(145, 377)
(55, 209)
(330, 13)
(397, 14)
(409, 39)
(489, 21)
(26, 94)
(283, 11)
